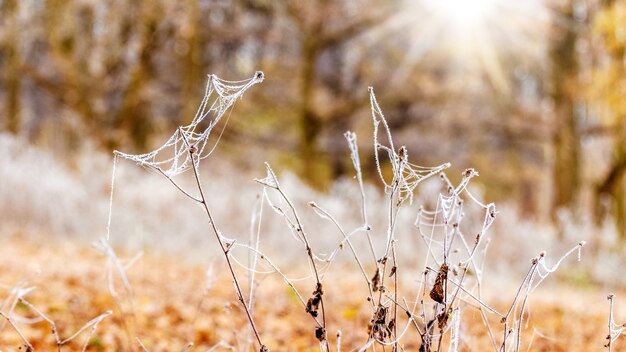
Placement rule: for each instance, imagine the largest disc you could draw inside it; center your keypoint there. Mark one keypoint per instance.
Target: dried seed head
(470, 173)
(402, 153)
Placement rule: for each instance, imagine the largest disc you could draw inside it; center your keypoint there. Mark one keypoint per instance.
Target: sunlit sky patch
(483, 37)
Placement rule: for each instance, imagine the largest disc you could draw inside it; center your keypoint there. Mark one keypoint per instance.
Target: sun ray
(477, 37)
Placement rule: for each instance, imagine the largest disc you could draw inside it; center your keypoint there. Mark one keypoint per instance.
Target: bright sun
(463, 13)
(471, 35)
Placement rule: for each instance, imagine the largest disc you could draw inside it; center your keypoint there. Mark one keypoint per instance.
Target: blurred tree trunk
(310, 123)
(133, 112)
(11, 66)
(72, 82)
(566, 138)
(611, 192)
(192, 57)
(315, 39)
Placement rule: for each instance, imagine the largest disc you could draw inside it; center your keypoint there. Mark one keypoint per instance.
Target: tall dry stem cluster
(449, 282)
(450, 279)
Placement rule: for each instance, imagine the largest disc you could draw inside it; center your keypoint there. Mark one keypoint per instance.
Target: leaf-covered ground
(173, 307)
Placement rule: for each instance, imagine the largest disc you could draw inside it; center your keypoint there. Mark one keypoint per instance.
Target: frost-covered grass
(42, 194)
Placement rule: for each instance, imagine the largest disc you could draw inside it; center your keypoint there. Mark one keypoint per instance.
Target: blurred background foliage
(531, 93)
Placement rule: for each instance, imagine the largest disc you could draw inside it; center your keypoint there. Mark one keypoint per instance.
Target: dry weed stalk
(186, 148)
(615, 330)
(316, 301)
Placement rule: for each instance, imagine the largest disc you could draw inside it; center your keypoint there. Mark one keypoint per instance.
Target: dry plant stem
(395, 294)
(392, 215)
(219, 345)
(339, 341)
(505, 318)
(178, 186)
(519, 290)
(347, 240)
(12, 324)
(113, 261)
(356, 161)
(93, 323)
(481, 308)
(254, 239)
(309, 252)
(521, 316)
(287, 281)
(16, 292)
(224, 249)
(408, 313)
(610, 336)
(143, 348)
(471, 261)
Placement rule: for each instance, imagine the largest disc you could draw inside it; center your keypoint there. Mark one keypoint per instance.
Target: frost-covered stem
(505, 318)
(177, 185)
(391, 246)
(282, 275)
(521, 314)
(610, 336)
(352, 249)
(395, 294)
(519, 290)
(222, 246)
(356, 161)
(309, 252)
(339, 341)
(143, 348)
(254, 240)
(10, 321)
(93, 323)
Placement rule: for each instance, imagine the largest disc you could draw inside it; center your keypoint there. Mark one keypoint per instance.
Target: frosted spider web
(173, 158)
(406, 176)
